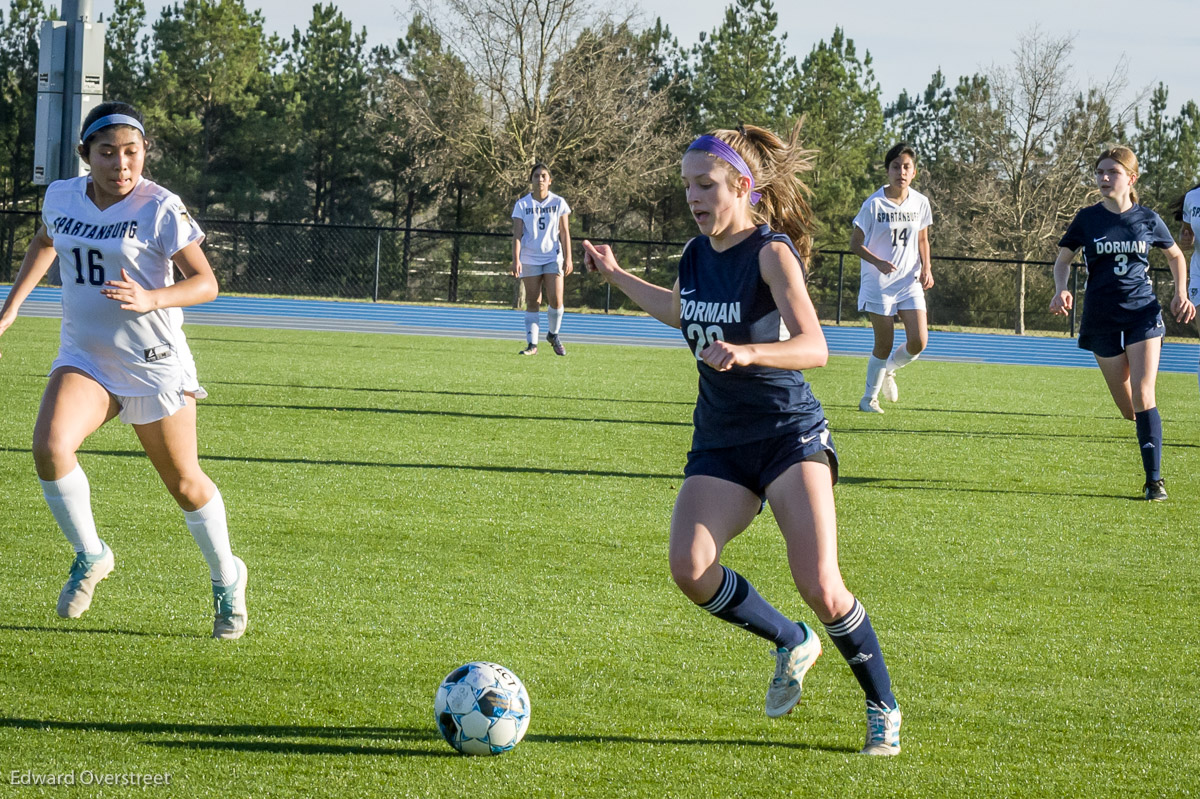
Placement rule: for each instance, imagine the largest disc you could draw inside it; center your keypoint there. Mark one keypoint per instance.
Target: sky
(908, 41)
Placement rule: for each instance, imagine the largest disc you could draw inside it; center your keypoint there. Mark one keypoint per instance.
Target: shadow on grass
(519, 417)
(488, 395)
(137, 453)
(216, 732)
(1035, 435)
(947, 487)
(66, 628)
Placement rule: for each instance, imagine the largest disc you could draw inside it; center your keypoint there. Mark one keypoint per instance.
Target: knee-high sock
(738, 603)
(554, 318)
(855, 638)
(209, 528)
(1149, 434)
(531, 327)
(900, 358)
(875, 369)
(70, 500)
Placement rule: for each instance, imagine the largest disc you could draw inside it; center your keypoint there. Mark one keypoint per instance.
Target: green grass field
(408, 504)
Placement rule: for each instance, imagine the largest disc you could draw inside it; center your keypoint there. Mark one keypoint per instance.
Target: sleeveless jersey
(539, 239)
(130, 354)
(1116, 249)
(723, 296)
(1191, 215)
(890, 231)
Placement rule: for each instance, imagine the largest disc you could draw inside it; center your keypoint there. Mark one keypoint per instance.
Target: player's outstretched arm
(1181, 307)
(1061, 302)
(38, 259)
(806, 349)
(661, 303)
(199, 285)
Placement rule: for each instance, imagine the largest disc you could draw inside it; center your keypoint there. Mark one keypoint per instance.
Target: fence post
(378, 237)
(1075, 294)
(841, 269)
(607, 295)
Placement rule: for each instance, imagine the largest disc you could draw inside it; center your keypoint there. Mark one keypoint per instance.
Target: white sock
(70, 500)
(900, 358)
(531, 326)
(554, 316)
(209, 528)
(875, 367)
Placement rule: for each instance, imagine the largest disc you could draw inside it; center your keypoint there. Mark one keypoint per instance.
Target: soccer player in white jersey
(891, 236)
(542, 256)
(117, 237)
(1187, 212)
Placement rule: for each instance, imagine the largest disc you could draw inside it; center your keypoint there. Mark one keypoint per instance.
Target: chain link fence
(471, 267)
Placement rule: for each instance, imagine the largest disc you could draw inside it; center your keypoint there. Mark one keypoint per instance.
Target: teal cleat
(229, 606)
(883, 730)
(783, 694)
(86, 572)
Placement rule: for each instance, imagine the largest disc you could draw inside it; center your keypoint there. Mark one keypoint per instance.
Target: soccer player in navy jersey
(1122, 320)
(760, 435)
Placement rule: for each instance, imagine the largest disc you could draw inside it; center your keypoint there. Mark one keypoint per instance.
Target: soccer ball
(482, 709)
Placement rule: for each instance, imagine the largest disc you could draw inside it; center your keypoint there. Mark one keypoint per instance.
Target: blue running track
(505, 323)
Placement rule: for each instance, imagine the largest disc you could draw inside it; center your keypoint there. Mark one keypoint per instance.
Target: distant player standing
(542, 256)
(891, 236)
(1122, 321)
(117, 237)
(1187, 212)
(760, 434)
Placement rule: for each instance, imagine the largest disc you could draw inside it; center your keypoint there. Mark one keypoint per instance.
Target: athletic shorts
(885, 302)
(757, 464)
(533, 270)
(1111, 341)
(144, 410)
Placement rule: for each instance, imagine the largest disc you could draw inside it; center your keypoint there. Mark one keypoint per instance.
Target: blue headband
(714, 146)
(110, 120)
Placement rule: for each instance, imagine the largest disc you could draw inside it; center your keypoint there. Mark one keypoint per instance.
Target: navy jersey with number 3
(723, 297)
(1116, 249)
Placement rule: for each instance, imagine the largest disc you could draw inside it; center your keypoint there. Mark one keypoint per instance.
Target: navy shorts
(756, 464)
(1109, 341)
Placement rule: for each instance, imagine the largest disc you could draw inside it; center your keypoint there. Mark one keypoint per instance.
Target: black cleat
(556, 343)
(1154, 491)
(530, 350)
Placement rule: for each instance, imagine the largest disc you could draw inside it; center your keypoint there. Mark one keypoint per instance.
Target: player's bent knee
(191, 491)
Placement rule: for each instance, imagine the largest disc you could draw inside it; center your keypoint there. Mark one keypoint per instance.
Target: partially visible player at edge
(760, 435)
(542, 256)
(1122, 321)
(891, 236)
(1187, 212)
(117, 236)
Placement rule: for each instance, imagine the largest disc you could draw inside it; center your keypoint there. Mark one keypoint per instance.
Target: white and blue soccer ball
(482, 709)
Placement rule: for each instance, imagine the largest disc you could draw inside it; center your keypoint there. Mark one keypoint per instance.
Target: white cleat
(229, 606)
(783, 693)
(869, 405)
(889, 390)
(883, 730)
(86, 572)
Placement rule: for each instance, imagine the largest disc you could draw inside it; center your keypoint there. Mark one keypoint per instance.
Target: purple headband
(714, 146)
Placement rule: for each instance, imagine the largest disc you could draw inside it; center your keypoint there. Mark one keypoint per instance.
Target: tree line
(440, 127)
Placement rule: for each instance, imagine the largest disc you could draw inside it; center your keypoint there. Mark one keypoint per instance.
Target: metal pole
(607, 296)
(378, 237)
(1075, 294)
(841, 270)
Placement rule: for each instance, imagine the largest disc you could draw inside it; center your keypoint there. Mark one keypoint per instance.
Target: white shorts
(144, 410)
(533, 270)
(911, 299)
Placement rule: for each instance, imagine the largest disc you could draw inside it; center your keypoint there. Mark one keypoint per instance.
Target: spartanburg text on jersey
(723, 296)
(1116, 249)
(1191, 217)
(130, 354)
(539, 240)
(891, 231)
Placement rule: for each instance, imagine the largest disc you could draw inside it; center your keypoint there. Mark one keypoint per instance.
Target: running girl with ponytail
(760, 436)
(1122, 321)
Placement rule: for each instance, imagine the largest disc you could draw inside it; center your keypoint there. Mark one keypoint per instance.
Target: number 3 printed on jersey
(701, 337)
(1122, 266)
(95, 267)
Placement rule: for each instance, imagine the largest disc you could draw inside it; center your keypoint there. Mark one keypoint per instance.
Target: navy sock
(1149, 433)
(738, 603)
(855, 638)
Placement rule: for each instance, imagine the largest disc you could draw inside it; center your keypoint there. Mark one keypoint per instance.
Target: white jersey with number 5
(891, 231)
(539, 239)
(130, 354)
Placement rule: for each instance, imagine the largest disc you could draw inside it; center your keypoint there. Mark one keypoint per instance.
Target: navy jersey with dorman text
(1116, 249)
(723, 296)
